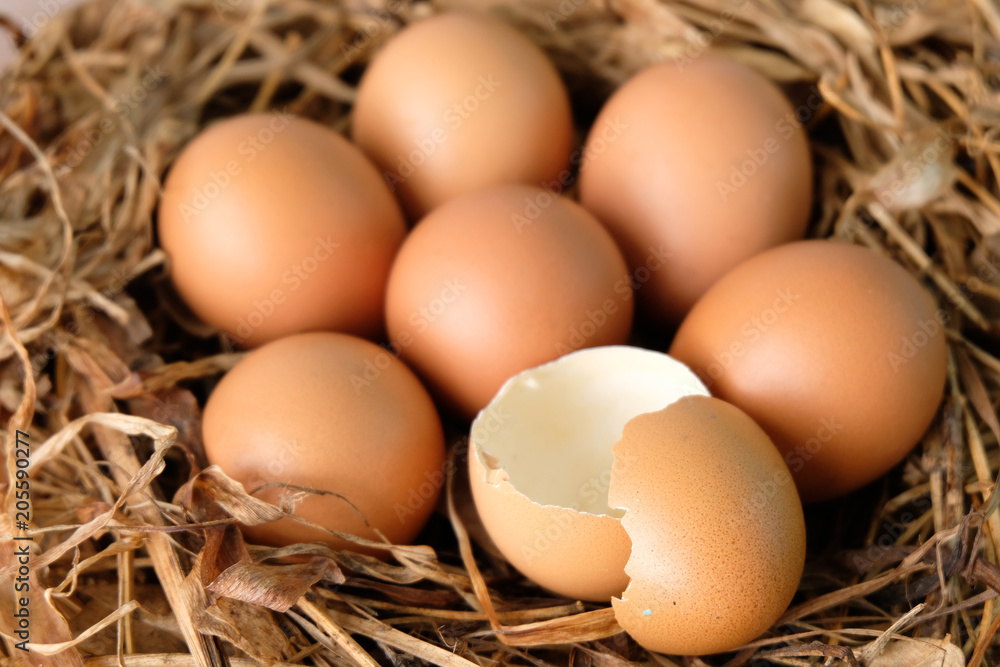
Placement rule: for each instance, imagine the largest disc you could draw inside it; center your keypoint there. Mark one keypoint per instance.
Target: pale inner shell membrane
(551, 428)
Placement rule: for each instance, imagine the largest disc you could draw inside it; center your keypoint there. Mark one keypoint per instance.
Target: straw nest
(134, 544)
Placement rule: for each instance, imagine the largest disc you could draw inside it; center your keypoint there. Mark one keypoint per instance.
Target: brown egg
(458, 102)
(718, 536)
(694, 169)
(501, 280)
(540, 462)
(335, 413)
(276, 225)
(836, 351)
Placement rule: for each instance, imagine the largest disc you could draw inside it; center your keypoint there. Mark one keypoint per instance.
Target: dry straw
(136, 550)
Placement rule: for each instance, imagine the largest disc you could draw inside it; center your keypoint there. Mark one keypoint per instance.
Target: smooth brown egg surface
(461, 101)
(277, 225)
(718, 535)
(310, 411)
(500, 280)
(695, 169)
(836, 351)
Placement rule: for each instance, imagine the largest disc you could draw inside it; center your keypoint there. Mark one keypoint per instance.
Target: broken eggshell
(718, 535)
(540, 463)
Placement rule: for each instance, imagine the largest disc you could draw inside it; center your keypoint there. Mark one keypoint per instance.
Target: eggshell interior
(540, 463)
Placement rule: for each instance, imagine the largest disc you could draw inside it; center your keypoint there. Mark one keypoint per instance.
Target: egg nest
(103, 369)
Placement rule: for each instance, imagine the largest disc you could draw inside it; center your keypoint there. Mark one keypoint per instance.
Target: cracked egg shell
(540, 462)
(718, 535)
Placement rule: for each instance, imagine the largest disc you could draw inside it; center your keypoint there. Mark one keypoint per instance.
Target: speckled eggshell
(718, 535)
(461, 101)
(694, 167)
(836, 351)
(335, 413)
(277, 225)
(501, 280)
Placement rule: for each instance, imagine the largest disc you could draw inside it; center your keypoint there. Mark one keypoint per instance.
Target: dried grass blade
(575, 629)
(398, 640)
(111, 619)
(336, 633)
